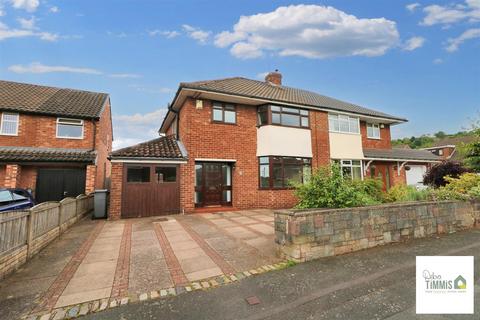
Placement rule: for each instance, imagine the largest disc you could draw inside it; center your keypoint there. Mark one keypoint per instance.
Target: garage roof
(400, 154)
(160, 148)
(31, 154)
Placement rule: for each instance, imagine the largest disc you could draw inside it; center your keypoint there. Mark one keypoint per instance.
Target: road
(378, 283)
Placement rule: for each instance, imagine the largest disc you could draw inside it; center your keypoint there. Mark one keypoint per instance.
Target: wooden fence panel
(13, 230)
(45, 217)
(68, 209)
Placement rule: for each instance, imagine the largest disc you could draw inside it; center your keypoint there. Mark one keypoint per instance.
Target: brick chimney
(274, 77)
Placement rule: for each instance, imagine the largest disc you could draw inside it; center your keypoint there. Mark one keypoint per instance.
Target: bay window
(282, 172)
(373, 131)
(284, 116)
(343, 124)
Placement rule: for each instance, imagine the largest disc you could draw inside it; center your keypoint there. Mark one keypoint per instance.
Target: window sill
(221, 122)
(350, 133)
(373, 138)
(274, 189)
(73, 138)
(9, 135)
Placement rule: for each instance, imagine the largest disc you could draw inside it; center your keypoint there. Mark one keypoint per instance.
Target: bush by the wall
(327, 188)
(404, 193)
(467, 186)
(435, 177)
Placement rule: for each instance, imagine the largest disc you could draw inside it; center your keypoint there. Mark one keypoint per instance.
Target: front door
(213, 185)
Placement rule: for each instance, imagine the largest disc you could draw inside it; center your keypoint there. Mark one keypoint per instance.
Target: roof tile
(33, 154)
(164, 148)
(23, 97)
(263, 90)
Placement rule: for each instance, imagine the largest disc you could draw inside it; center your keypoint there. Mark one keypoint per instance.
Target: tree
(472, 152)
(440, 135)
(436, 175)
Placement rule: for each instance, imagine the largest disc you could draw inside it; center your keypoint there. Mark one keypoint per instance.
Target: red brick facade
(40, 131)
(239, 142)
(116, 191)
(383, 143)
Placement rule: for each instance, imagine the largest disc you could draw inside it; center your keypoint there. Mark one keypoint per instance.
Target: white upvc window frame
(3, 120)
(80, 123)
(344, 163)
(332, 117)
(373, 126)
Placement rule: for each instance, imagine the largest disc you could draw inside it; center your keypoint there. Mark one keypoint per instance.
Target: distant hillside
(437, 139)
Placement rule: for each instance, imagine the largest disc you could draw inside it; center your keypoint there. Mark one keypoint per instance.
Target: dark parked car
(15, 199)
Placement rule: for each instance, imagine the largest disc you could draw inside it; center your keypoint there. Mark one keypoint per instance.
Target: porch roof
(400, 155)
(35, 154)
(163, 148)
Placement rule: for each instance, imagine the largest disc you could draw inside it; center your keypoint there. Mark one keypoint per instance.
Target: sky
(419, 60)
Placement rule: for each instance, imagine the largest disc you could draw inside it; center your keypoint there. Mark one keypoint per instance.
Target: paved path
(378, 283)
(104, 260)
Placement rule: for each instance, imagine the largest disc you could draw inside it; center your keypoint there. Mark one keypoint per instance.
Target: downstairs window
(282, 172)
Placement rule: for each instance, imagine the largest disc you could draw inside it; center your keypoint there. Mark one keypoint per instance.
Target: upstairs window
(343, 124)
(284, 116)
(69, 128)
(224, 112)
(373, 131)
(9, 124)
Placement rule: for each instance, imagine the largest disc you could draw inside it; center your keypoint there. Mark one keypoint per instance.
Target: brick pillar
(90, 179)
(12, 175)
(116, 186)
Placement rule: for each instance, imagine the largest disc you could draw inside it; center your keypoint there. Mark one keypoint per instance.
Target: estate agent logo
(444, 285)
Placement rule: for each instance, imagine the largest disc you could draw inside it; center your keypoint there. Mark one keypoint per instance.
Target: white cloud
(125, 75)
(36, 67)
(132, 129)
(262, 75)
(454, 43)
(27, 23)
(117, 35)
(438, 61)
(54, 9)
(436, 14)
(412, 6)
(166, 33)
(201, 36)
(28, 5)
(413, 43)
(7, 33)
(309, 31)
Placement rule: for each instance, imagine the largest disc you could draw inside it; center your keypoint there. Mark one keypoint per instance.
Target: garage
(146, 179)
(150, 190)
(415, 175)
(54, 184)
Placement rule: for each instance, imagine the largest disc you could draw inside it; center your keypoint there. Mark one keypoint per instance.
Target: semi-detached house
(238, 142)
(54, 141)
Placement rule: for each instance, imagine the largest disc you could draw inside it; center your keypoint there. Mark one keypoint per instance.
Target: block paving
(124, 261)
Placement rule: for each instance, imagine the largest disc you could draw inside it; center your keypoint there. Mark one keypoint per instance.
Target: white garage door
(415, 175)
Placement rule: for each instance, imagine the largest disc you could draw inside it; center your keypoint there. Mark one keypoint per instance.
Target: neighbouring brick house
(54, 141)
(447, 148)
(237, 142)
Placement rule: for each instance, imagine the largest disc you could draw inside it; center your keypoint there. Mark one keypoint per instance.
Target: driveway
(127, 258)
(377, 283)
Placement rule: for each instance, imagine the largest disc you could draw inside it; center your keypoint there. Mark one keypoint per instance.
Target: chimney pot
(274, 77)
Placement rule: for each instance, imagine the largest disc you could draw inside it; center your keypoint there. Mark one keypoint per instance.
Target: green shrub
(328, 189)
(404, 193)
(465, 187)
(373, 187)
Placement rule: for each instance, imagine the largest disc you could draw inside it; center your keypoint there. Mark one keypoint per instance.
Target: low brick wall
(303, 235)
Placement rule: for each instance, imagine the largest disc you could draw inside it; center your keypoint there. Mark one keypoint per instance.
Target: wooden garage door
(150, 190)
(56, 184)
